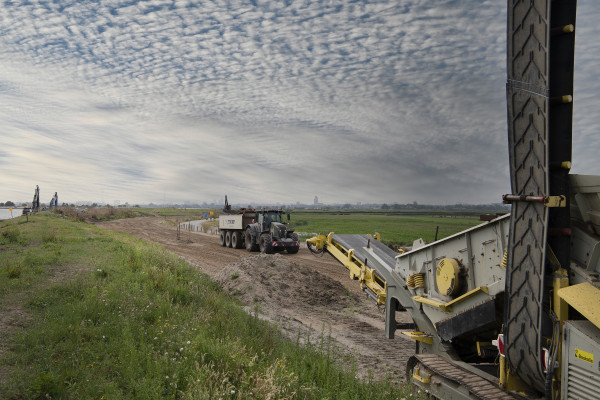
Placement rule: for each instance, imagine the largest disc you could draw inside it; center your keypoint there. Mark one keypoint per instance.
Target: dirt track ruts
(360, 329)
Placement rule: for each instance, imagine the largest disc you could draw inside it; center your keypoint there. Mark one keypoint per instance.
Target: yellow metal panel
(480, 346)
(509, 381)
(555, 201)
(417, 376)
(317, 241)
(442, 306)
(357, 269)
(465, 296)
(585, 298)
(420, 336)
(447, 307)
(561, 308)
(561, 280)
(503, 371)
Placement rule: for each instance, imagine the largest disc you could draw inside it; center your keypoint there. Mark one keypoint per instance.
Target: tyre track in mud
(323, 307)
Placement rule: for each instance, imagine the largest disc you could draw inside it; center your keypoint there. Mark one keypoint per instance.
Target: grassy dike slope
(92, 314)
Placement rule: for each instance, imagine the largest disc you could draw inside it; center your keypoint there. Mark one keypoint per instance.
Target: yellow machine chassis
(369, 281)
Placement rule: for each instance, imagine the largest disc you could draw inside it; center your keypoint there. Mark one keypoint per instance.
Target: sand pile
(277, 282)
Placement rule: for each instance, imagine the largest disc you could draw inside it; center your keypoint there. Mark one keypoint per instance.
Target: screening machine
(455, 291)
(510, 308)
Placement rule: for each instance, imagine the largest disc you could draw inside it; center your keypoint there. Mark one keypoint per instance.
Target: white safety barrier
(196, 226)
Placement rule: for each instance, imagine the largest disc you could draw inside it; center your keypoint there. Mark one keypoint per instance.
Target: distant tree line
(416, 206)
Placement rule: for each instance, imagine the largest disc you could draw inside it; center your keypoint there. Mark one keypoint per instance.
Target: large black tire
(293, 249)
(248, 240)
(266, 246)
(228, 238)
(236, 240)
(250, 246)
(222, 238)
(294, 237)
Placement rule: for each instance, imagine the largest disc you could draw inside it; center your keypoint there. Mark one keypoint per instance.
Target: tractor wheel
(248, 239)
(295, 238)
(266, 245)
(236, 240)
(293, 250)
(222, 238)
(228, 239)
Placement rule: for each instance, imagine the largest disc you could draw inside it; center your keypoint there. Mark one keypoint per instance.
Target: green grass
(113, 318)
(395, 229)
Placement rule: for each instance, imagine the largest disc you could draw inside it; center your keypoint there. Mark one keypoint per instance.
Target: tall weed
(50, 236)
(11, 234)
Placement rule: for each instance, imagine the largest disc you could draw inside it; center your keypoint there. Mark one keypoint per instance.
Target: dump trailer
(257, 230)
(510, 308)
(232, 228)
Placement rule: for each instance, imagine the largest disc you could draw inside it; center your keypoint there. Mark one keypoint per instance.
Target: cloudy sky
(266, 101)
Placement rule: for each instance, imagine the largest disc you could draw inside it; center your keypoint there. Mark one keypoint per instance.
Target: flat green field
(397, 229)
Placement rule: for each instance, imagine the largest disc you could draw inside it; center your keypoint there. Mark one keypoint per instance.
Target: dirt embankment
(298, 292)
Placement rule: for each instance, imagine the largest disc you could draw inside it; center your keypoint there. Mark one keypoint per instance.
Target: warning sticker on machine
(584, 355)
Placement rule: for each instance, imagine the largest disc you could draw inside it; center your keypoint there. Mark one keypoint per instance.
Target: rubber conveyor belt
(360, 242)
(540, 68)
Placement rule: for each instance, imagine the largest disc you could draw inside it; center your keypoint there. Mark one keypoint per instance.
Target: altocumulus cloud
(265, 100)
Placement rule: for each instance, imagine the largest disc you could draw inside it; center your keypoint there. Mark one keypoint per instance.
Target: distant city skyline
(219, 204)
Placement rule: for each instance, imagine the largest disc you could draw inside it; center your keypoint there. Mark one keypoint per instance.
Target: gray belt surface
(359, 242)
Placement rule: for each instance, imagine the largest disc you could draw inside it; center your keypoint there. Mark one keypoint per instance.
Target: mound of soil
(277, 282)
(299, 299)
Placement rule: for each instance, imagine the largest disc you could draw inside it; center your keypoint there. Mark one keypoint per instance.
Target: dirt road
(298, 292)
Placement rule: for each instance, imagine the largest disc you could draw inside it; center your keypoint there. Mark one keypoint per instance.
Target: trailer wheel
(265, 244)
(236, 240)
(250, 246)
(228, 239)
(222, 238)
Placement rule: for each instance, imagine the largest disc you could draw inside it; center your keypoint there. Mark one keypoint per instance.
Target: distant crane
(54, 201)
(35, 205)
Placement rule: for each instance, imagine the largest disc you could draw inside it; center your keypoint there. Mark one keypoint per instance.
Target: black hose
(553, 354)
(315, 252)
